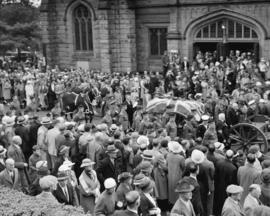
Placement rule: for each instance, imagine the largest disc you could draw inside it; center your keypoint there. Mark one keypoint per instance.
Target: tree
(19, 26)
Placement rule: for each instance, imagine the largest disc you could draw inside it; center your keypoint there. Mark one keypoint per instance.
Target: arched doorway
(225, 34)
(224, 30)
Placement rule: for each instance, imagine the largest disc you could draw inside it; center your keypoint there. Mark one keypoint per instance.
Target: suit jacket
(6, 180)
(230, 208)
(2, 167)
(201, 131)
(124, 213)
(17, 155)
(24, 134)
(249, 205)
(180, 208)
(61, 197)
(145, 205)
(106, 169)
(105, 204)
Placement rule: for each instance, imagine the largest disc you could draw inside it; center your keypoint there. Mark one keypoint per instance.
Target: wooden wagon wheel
(244, 135)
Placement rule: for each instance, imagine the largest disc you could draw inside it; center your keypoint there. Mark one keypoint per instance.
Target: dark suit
(61, 197)
(106, 169)
(145, 205)
(225, 174)
(24, 134)
(7, 181)
(232, 116)
(201, 131)
(124, 213)
(2, 167)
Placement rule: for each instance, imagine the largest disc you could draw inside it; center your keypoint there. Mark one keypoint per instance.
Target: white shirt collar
(132, 210)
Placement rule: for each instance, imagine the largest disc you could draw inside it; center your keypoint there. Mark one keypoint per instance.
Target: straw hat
(175, 147)
(87, 162)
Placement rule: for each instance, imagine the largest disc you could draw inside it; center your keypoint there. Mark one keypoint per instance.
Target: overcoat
(225, 174)
(6, 180)
(230, 208)
(176, 166)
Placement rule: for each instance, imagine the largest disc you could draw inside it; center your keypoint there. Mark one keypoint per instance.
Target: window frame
(149, 41)
(74, 17)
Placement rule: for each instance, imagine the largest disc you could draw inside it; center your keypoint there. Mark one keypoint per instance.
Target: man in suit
(225, 174)
(10, 177)
(232, 205)
(15, 152)
(22, 131)
(252, 199)
(64, 192)
(133, 203)
(109, 167)
(248, 175)
(183, 205)
(203, 126)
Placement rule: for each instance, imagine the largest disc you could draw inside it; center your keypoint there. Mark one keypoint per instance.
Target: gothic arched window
(83, 29)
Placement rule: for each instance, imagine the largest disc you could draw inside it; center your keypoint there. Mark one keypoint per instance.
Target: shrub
(15, 203)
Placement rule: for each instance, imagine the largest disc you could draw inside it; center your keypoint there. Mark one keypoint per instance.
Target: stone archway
(193, 27)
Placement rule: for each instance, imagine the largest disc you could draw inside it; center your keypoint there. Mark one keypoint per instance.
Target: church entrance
(224, 35)
(224, 49)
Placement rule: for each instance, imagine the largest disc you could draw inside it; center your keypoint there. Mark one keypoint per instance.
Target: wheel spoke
(236, 139)
(252, 138)
(238, 134)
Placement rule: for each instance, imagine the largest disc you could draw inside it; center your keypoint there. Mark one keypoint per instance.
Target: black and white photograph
(134, 107)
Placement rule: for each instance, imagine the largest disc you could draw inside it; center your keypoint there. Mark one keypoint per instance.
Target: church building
(132, 35)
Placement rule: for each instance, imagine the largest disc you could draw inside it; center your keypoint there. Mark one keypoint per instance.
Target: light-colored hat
(9, 122)
(234, 189)
(251, 102)
(62, 176)
(68, 163)
(17, 140)
(197, 156)
(47, 182)
(147, 155)
(109, 183)
(41, 163)
(219, 146)
(175, 147)
(205, 117)
(63, 168)
(81, 128)
(87, 162)
(45, 120)
(143, 141)
(2, 150)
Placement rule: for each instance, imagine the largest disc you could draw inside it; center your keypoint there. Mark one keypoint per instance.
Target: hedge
(15, 203)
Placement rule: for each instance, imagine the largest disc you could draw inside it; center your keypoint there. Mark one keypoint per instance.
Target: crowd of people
(129, 161)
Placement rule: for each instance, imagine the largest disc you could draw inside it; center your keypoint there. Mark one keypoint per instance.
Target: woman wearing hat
(89, 186)
(183, 205)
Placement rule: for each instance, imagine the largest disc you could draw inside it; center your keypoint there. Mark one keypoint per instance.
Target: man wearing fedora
(22, 131)
(110, 166)
(232, 206)
(133, 202)
(252, 200)
(64, 192)
(183, 205)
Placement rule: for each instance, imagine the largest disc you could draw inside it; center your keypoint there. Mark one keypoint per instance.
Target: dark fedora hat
(111, 149)
(184, 186)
